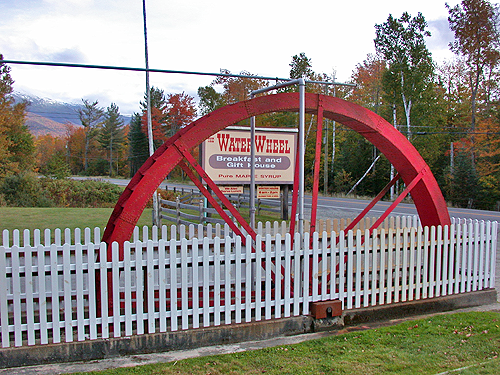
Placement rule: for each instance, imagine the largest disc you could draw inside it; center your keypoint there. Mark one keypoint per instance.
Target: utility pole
(156, 218)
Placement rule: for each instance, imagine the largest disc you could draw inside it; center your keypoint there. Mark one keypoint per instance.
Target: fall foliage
(450, 111)
(16, 143)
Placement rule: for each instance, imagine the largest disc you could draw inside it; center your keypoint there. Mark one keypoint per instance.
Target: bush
(86, 193)
(26, 190)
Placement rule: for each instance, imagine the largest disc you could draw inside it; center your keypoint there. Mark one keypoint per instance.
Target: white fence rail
(70, 291)
(59, 237)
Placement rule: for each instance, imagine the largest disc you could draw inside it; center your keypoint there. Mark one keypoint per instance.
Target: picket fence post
(49, 289)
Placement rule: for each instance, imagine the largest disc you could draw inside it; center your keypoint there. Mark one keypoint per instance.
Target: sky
(258, 36)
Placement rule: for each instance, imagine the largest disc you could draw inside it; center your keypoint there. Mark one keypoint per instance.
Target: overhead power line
(126, 68)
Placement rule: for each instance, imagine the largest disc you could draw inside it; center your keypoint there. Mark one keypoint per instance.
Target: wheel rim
(409, 164)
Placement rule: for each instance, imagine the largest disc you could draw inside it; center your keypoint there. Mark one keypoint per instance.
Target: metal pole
(394, 120)
(148, 109)
(302, 119)
(302, 114)
(325, 176)
(325, 161)
(252, 170)
(334, 128)
(128, 68)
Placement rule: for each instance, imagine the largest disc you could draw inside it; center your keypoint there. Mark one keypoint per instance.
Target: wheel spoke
(192, 161)
(398, 200)
(317, 162)
(373, 203)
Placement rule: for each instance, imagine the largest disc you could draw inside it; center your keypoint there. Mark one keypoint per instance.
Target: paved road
(347, 207)
(330, 207)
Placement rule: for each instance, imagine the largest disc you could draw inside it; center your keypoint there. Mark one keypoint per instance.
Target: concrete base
(203, 337)
(149, 343)
(426, 306)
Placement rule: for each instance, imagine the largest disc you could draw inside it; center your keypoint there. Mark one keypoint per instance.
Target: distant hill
(47, 116)
(39, 125)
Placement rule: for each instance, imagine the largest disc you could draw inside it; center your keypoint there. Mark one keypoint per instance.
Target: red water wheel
(410, 166)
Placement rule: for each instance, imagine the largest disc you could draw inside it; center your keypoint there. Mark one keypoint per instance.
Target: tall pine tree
(112, 136)
(138, 144)
(91, 118)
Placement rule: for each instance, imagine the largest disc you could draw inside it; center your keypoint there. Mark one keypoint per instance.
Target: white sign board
(226, 156)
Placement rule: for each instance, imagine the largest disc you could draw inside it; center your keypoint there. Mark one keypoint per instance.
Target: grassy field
(464, 343)
(42, 218)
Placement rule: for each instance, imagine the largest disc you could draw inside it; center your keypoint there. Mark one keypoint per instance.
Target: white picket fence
(59, 237)
(64, 292)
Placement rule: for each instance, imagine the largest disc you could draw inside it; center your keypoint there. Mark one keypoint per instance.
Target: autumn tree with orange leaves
(52, 156)
(477, 40)
(368, 79)
(16, 143)
(180, 111)
(158, 116)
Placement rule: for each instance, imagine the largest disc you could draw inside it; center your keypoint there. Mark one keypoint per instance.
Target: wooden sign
(268, 192)
(236, 189)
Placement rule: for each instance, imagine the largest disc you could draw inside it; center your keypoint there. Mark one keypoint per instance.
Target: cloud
(68, 55)
(441, 34)
(195, 35)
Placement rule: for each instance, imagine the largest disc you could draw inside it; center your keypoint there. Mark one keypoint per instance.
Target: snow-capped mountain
(47, 116)
(53, 110)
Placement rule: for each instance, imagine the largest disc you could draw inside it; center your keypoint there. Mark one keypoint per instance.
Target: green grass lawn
(42, 218)
(466, 341)
(52, 218)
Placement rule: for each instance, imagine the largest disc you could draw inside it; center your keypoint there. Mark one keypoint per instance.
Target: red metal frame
(399, 151)
(373, 203)
(295, 194)
(387, 212)
(399, 199)
(407, 161)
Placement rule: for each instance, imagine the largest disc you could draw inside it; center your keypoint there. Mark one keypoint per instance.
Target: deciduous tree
(236, 89)
(75, 137)
(180, 111)
(210, 99)
(16, 143)
(51, 156)
(158, 116)
(475, 24)
(401, 43)
(368, 79)
(453, 80)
